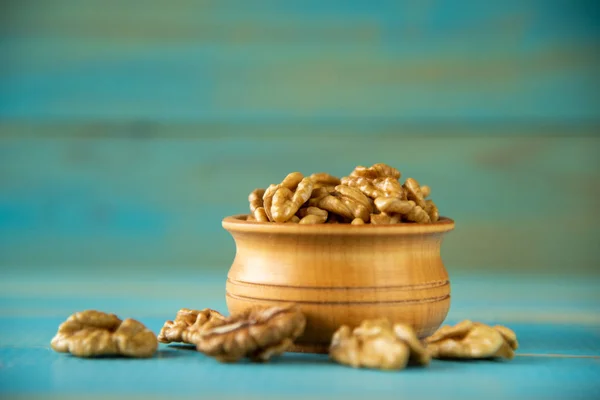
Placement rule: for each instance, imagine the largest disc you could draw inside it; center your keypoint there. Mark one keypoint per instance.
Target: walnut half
(94, 333)
(377, 344)
(186, 326)
(472, 340)
(258, 333)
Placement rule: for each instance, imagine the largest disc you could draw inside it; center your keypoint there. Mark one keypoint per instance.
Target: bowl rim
(238, 223)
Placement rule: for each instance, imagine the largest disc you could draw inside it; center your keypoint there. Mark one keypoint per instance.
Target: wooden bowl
(341, 274)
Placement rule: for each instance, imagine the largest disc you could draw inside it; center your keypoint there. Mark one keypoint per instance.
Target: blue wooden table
(556, 320)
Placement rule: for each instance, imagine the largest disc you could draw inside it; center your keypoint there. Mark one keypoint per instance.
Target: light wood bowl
(341, 274)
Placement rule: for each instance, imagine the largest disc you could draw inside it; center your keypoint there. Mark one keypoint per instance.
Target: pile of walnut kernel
(368, 195)
(263, 332)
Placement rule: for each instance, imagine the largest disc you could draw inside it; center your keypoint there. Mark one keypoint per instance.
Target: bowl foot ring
(309, 348)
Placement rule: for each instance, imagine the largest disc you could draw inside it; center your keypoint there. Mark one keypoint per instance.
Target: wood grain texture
(33, 305)
(229, 60)
(107, 196)
(129, 129)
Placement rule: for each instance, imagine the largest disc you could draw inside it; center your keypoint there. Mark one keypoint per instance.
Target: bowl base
(309, 348)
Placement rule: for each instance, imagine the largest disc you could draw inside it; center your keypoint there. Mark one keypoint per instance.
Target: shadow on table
(183, 350)
(185, 347)
(287, 358)
(167, 353)
(301, 358)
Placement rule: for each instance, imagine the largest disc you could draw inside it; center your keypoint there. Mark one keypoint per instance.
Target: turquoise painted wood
(84, 196)
(556, 320)
(129, 129)
(300, 60)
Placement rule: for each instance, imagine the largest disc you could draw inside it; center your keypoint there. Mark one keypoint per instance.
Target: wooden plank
(107, 60)
(557, 358)
(519, 202)
(266, 129)
(491, 296)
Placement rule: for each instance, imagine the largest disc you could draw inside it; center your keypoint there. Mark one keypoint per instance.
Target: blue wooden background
(128, 129)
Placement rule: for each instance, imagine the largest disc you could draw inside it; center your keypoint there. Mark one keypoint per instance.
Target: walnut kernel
(377, 344)
(186, 326)
(472, 340)
(93, 333)
(258, 333)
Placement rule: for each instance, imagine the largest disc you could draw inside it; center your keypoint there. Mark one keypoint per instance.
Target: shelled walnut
(378, 170)
(282, 201)
(367, 195)
(94, 333)
(323, 179)
(377, 344)
(472, 340)
(312, 215)
(258, 333)
(186, 326)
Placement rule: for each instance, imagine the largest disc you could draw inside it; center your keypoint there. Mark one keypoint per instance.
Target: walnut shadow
(159, 354)
(187, 347)
(298, 358)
